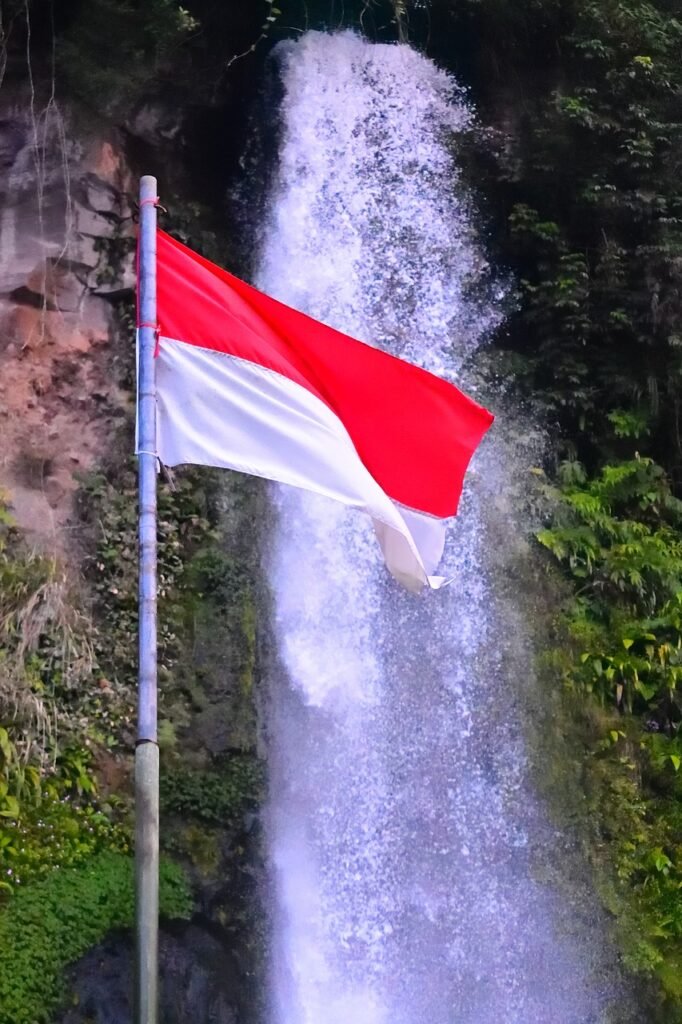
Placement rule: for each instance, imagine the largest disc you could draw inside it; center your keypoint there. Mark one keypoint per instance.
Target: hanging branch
(273, 15)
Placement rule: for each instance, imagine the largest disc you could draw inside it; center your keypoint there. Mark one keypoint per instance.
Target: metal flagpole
(147, 750)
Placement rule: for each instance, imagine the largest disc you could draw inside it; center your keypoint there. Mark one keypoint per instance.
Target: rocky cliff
(67, 561)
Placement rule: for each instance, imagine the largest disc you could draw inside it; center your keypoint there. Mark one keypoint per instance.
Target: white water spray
(400, 823)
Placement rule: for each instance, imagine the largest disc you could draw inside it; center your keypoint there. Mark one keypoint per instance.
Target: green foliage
(632, 423)
(203, 814)
(49, 816)
(589, 200)
(109, 505)
(201, 844)
(55, 833)
(49, 924)
(45, 644)
(216, 797)
(635, 842)
(620, 533)
(115, 48)
(618, 537)
(114, 54)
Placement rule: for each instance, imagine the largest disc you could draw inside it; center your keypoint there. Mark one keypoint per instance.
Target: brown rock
(55, 337)
(54, 491)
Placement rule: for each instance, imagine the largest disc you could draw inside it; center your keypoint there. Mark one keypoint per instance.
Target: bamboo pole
(147, 750)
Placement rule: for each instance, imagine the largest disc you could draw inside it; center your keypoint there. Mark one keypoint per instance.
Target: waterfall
(401, 825)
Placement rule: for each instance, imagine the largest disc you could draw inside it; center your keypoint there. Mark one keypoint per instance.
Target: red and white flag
(247, 383)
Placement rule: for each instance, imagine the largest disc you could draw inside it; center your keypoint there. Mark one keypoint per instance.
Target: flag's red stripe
(414, 432)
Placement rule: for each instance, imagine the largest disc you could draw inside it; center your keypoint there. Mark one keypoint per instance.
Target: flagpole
(147, 750)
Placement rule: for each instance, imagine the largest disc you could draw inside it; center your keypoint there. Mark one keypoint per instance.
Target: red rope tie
(152, 202)
(157, 335)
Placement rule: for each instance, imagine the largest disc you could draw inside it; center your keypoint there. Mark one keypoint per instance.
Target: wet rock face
(199, 981)
(65, 249)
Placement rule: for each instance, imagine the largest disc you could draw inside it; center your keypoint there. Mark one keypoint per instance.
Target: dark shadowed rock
(199, 981)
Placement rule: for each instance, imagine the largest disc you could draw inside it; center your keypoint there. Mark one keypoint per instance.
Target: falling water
(401, 825)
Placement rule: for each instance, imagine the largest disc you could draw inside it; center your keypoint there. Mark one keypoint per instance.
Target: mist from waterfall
(401, 825)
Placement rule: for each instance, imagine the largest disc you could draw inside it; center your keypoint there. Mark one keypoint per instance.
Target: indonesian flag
(247, 383)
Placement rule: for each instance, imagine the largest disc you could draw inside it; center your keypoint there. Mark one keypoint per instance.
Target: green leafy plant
(45, 644)
(113, 49)
(48, 791)
(36, 839)
(111, 509)
(618, 537)
(217, 796)
(49, 924)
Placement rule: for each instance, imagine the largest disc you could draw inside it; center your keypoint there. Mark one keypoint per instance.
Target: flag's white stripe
(219, 410)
